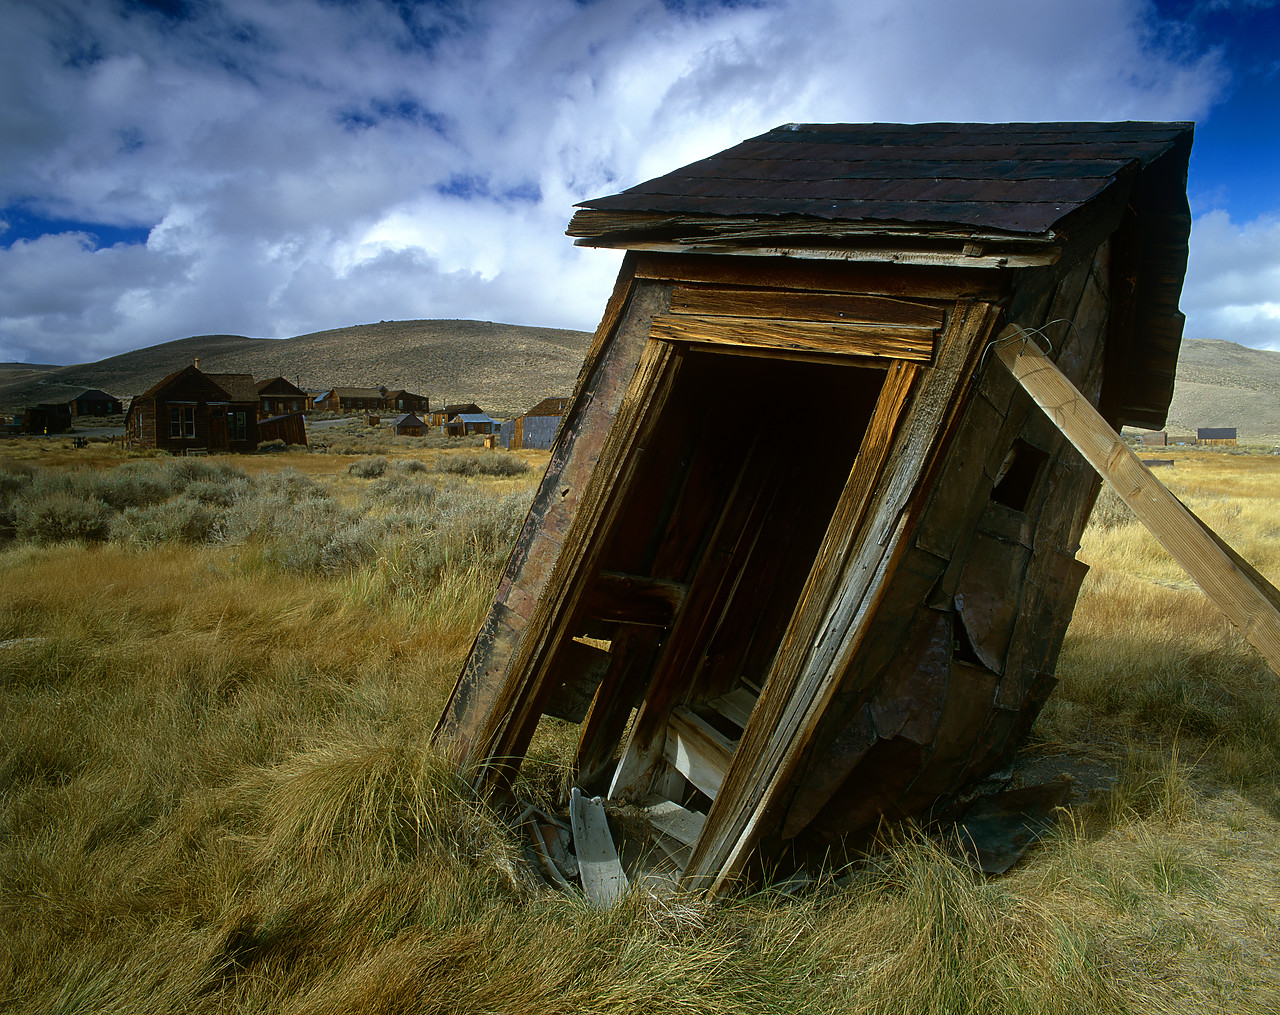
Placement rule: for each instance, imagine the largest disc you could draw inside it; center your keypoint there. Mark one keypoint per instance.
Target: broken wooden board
(603, 880)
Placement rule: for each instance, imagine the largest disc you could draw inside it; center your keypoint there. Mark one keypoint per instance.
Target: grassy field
(216, 795)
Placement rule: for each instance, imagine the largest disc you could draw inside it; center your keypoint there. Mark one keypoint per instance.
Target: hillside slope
(503, 367)
(1225, 384)
(507, 368)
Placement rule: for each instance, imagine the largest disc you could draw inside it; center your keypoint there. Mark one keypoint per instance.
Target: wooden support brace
(1246, 598)
(697, 750)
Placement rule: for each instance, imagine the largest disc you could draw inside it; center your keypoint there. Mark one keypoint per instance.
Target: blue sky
(274, 167)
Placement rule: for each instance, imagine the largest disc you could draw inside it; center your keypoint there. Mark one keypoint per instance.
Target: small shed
(290, 427)
(1216, 435)
(773, 644)
(1155, 440)
(537, 427)
(46, 418)
(93, 402)
(408, 425)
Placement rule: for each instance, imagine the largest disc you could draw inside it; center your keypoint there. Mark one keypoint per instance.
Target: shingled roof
(979, 195)
(1012, 178)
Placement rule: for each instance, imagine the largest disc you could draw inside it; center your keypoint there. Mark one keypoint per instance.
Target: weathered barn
(278, 396)
(775, 643)
(93, 402)
(537, 427)
(194, 411)
(290, 427)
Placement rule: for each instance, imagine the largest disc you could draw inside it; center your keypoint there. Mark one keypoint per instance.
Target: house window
(239, 425)
(182, 422)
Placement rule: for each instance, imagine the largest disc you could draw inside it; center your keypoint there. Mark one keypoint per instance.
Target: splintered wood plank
(697, 750)
(805, 306)
(603, 880)
(898, 341)
(635, 599)
(735, 705)
(1247, 599)
(680, 823)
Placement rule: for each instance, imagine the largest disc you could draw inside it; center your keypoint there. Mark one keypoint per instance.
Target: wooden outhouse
(780, 640)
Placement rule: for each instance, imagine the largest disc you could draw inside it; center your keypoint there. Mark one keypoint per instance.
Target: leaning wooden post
(1247, 599)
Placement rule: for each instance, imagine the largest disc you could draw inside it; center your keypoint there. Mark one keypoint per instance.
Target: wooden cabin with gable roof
(193, 411)
(815, 636)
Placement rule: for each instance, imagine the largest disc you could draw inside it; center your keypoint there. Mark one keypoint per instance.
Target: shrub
(268, 447)
(134, 484)
(368, 468)
(62, 516)
(182, 520)
(493, 463)
(410, 465)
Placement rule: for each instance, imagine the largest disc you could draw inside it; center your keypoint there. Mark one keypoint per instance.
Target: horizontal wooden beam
(634, 599)
(896, 341)
(1247, 599)
(838, 308)
(882, 254)
(697, 750)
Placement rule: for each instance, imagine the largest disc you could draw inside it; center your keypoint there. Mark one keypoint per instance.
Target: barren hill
(1225, 384)
(507, 368)
(504, 367)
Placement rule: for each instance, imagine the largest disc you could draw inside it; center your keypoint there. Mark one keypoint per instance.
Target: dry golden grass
(216, 796)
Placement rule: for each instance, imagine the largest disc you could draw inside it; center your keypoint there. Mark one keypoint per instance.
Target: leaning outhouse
(804, 553)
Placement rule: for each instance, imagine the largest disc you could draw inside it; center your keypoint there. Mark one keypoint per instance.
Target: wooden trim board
(895, 341)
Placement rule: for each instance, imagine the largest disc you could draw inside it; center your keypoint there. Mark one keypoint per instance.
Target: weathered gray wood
(601, 872)
(735, 705)
(697, 750)
(678, 822)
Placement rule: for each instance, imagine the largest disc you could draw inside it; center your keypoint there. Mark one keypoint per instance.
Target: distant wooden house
(46, 418)
(278, 396)
(291, 427)
(470, 422)
(442, 415)
(1155, 440)
(1216, 435)
(773, 645)
(406, 401)
(93, 402)
(192, 411)
(408, 425)
(351, 399)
